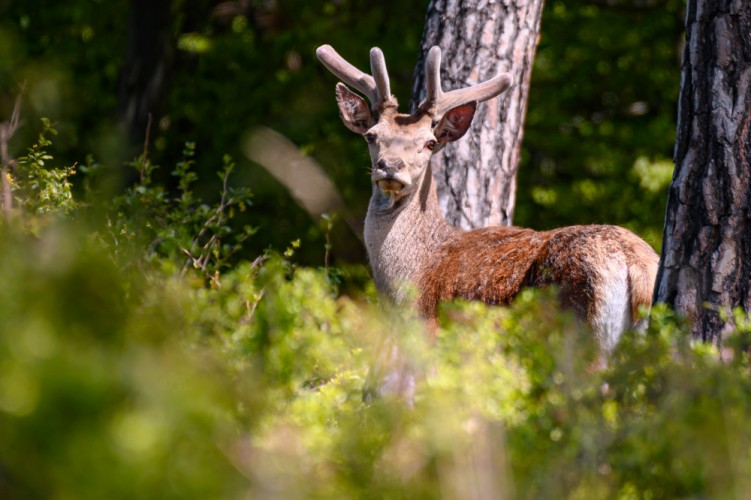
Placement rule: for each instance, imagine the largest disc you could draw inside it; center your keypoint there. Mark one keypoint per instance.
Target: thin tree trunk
(476, 177)
(7, 131)
(706, 256)
(146, 66)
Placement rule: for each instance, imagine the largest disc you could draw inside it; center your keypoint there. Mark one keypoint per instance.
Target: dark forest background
(599, 133)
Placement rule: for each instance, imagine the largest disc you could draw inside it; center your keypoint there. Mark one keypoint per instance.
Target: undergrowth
(140, 358)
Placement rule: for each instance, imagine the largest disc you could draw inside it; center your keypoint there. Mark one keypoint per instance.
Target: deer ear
(353, 110)
(455, 123)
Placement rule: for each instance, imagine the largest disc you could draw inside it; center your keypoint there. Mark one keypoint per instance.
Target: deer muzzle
(387, 175)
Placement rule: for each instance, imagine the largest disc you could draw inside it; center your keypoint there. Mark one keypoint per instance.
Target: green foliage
(100, 394)
(179, 231)
(39, 188)
(115, 384)
(183, 228)
(67, 57)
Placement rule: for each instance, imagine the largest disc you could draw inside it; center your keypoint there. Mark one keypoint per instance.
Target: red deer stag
(604, 273)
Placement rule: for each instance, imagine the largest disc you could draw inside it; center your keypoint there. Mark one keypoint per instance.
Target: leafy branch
(184, 228)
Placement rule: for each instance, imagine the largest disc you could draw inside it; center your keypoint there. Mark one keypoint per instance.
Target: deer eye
(430, 144)
(370, 137)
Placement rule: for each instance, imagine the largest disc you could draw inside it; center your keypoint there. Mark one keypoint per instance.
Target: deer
(603, 273)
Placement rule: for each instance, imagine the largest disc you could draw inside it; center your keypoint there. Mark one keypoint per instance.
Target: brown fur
(494, 264)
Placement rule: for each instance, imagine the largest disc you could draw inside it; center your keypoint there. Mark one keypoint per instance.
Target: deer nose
(390, 166)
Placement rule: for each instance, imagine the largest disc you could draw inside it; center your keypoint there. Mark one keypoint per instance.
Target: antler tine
(433, 90)
(380, 74)
(438, 102)
(478, 93)
(349, 74)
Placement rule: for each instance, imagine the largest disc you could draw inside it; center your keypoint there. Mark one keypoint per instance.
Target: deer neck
(400, 239)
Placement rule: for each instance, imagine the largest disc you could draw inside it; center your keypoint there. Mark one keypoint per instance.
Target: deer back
(604, 273)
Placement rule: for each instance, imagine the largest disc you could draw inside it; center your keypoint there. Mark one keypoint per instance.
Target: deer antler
(376, 88)
(437, 102)
(380, 74)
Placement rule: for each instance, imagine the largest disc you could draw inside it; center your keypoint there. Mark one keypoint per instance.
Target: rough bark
(476, 177)
(705, 264)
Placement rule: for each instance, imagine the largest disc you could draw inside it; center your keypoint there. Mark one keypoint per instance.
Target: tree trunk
(476, 177)
(705, 264)
(146, 66)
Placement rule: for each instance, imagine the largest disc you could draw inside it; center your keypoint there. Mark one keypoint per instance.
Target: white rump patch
(612, 303)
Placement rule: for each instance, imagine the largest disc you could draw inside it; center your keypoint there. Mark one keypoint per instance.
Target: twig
(217, 217)
(326, 255)
(252, 309)
(145, 156)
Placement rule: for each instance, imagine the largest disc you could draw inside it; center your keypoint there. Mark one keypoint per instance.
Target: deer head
(401, 145)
